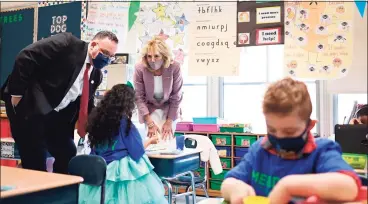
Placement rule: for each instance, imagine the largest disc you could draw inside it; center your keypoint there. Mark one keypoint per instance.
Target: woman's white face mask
(156, 64)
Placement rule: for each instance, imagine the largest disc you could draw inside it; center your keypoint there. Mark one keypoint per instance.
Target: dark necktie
(83, 110)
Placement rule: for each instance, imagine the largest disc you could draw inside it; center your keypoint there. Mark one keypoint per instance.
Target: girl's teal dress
(130, 176)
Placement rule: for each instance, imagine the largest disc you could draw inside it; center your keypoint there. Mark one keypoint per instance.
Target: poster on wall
(167, 20)
(111, 16)
(212, 40)
(17, 33)
(318, 39)
(59, 18)
(260, 23)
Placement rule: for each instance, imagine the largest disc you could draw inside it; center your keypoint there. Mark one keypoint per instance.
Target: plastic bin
(240, 151)
(205, 128)
(236, 162)
(221, 139)
(207, 120)
(232, 129)
(357, 161)
(225, 162)
(184, 126)
(215, 185)
(178, 134)
(220, 176)
(224, 151)
(245, 141)
(200, 172)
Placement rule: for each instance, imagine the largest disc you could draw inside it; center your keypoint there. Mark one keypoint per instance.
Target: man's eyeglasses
(107, 54)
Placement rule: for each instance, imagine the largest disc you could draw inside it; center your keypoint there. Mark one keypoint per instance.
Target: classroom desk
(172, 166)
(38, 187)
(211, 201)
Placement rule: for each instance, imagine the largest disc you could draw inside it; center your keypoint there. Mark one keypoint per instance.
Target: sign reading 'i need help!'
(58, 19)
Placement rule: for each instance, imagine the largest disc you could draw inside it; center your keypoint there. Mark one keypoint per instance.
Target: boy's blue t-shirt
(262, 169)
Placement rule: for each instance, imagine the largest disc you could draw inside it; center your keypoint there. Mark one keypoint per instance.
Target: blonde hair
(286, 96)
(159, 45)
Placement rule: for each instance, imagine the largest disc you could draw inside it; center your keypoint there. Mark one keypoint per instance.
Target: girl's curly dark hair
(104, 120)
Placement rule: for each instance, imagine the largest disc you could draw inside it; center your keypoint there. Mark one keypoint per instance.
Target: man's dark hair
(106, 34)
(362, 111)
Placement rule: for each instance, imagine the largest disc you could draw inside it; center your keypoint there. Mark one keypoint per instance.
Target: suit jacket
(144, 91)
(44, 72)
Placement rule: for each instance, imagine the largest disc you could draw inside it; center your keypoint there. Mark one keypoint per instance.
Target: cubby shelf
(215, 192)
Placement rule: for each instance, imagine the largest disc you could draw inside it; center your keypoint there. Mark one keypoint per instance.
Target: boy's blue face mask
(100, 61)
(294, 144)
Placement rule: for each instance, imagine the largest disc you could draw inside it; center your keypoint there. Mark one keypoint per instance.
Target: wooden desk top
(29, 181)
(174, 156)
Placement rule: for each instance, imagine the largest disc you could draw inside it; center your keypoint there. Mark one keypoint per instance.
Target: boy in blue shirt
(289, 161)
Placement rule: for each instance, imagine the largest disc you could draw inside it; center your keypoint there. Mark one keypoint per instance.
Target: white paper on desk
(159, 119)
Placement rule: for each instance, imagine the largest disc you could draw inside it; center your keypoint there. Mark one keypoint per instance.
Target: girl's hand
(153, 140)
(152, 130)
(167, 130)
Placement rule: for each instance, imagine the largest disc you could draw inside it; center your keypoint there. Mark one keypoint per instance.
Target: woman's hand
(167, 131)
(152, 130)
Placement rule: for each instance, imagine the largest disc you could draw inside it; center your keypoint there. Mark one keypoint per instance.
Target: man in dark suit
(52, 86)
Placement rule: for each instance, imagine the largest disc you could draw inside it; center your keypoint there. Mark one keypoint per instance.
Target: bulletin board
(318, 39)
(17, 33)
(260, 23)
(59, 18)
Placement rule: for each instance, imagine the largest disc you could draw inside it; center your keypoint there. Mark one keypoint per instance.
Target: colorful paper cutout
(177, 39)
(160, 11)
(163, 35)
(181, 22)
(179, 55)
(144, 39)
(361, 6)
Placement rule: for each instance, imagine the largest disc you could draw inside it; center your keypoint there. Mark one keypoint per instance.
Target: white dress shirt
(76, 89)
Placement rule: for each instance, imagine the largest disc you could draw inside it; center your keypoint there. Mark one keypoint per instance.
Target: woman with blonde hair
(158, 83)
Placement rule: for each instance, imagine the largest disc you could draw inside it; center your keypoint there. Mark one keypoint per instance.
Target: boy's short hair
(286, 96)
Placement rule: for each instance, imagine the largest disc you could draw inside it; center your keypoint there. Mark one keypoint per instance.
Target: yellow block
(256, 200)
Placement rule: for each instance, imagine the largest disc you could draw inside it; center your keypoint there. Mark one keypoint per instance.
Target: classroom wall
(356, 80)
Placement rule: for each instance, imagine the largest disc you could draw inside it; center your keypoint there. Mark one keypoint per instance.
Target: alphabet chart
(212, 40)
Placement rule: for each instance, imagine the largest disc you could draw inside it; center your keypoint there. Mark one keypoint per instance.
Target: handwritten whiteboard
(111, 16)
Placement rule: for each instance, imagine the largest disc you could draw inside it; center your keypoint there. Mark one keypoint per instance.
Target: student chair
(185, 181)
(92, 169)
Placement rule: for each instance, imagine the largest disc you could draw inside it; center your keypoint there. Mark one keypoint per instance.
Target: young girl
(113, 136)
